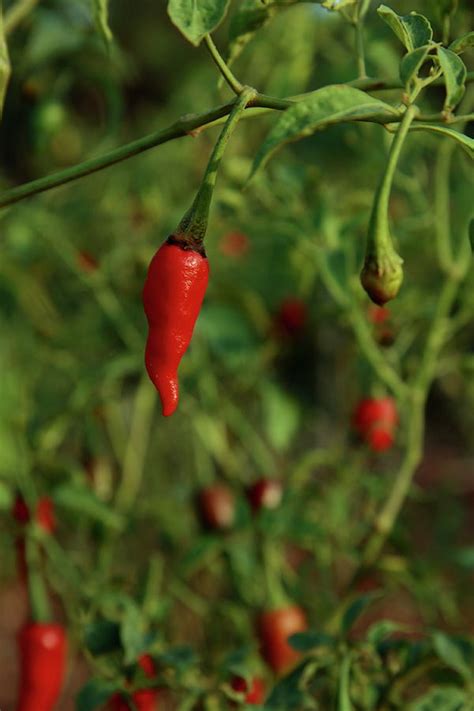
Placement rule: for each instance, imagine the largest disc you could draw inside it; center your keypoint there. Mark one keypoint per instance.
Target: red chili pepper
(265, 494)
(254, 690)
(234, 244)
(43, 651)
(44, 514)
(217, 506)
(291, 317)
(172, 297)
(274, 627)
(375, 419)
(144, 699)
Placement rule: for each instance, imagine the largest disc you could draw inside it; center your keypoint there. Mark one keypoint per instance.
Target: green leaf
(343, 695)
(462, 43)
(196, 18)
(452, 651)
(455, 72)
(249, 17)
(448, 698)
(322, 108)
(179, 658)
(82, 500)
(412, 63)
(101, 13)
(355, 609)
(132, 633)
(466, 142)
(382, 629)
(305, 641)
(102, 637)
(94, 694)
(412, 30)
(280, 416)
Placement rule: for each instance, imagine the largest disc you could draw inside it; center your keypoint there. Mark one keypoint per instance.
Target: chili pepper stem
(194, 224)
(39, 605)
(227, 74)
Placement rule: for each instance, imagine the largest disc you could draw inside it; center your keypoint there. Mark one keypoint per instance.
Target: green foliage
(196, 18)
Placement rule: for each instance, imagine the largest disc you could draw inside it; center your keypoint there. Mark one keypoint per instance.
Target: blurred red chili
(291, 316)
(86, 261)
(254, 690)
(217, 506)
(378, 314)
(144, 699)
(265, 494)
(43, 650)
(172, 297)
(44, 514)
(375, 420)
(234, 244)
(273, 628)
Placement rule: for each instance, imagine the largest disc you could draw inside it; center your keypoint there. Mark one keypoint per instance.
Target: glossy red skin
(217, 506)
(291, 317)
(145, 699)
(172, 298)
(274, 627)
(43, 652)
(265, 494)
(254, 692)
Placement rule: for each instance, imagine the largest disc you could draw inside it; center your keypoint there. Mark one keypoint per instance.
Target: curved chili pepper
(274, 628)
(375, 420)
(172, 297)
(43, 650)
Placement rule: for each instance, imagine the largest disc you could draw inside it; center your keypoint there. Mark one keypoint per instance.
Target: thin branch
(228, 75)
(17, 13)
(5, 67)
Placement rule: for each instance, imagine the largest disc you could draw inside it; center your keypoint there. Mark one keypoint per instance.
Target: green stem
(426, 372)
(442, 206)
(5, 67)
(17, 13)
(229, 77)
(359, 33)
(194, 223)
(40, 610)
(186, 126)
(379, 219)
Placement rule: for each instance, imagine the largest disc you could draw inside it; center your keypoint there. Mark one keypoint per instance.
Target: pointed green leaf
(452, 652)
(196, 18)
(465, 141)
(355, 609)
(412, 30)
(320, 109)
(94, 694)
(448, 698)
(455, 72)
(412, 63)
(249, 17)
(462, 43)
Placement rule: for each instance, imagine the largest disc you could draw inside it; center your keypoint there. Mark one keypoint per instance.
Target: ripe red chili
(254, 690)
(144, 699)
(217, 506)
(44, 514)
(274, 627)
(172, 297)
(265, 494)
(43, 650)
(375, 420)
(291, 316)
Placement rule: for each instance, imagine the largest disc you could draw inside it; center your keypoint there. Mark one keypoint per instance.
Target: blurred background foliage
(259, 397)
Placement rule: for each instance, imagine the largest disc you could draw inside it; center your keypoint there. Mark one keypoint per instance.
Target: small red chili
(273, 628)
(43, 650)
(375, 420)
(144, 699)
(291, 317)
(265, 494)
(234, 244)
(217, 506)
(253, 692)
(172, 297)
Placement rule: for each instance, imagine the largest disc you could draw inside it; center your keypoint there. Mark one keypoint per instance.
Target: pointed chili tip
(167, 386)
